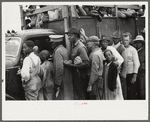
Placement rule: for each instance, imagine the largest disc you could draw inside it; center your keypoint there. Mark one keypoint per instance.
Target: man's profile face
(90, 45)
(53, 45)
(71, 37)
(116, 40)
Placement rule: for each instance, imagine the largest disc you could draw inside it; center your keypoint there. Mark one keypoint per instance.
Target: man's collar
(107, 63)
(97, 48)
(102, 49)
(117, 45)
(57, 47)
(77, 42)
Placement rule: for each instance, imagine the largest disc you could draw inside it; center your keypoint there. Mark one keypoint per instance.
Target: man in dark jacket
(79, 63)
(140, 43)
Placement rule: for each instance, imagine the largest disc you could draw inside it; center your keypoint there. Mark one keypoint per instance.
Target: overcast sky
(11, 17)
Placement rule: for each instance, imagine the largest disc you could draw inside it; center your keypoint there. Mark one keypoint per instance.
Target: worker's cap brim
(56, 38)
(93, 39)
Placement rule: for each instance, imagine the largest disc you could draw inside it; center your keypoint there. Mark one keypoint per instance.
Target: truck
(69, 18)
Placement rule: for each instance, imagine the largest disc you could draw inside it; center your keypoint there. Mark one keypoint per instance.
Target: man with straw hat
(140, 44)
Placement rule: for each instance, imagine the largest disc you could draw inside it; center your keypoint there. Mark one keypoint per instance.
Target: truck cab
(14, 57)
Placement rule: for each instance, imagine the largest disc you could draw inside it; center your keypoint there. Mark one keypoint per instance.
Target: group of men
(78, 74)
(84, 72)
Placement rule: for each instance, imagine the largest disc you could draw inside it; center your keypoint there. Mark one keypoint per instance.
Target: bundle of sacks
(123, 13)
(88, 10)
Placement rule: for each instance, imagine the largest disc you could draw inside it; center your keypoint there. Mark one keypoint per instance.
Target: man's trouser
(32, 88)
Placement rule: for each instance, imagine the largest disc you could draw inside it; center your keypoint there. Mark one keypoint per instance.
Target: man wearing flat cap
(79, 64)
(63, 87)
(140, 42)
(95, 85)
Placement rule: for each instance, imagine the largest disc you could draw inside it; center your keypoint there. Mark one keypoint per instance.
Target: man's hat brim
(115, 37)
(56, 38)
(71, 33)
(104, 40)
(135, 40)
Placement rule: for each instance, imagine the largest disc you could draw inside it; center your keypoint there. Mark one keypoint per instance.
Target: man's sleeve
(84, 57)
(124, 66)
(83, 54)
(136, 61)
(25, 71)
(59, 68)
(33, 20)
(95, 67)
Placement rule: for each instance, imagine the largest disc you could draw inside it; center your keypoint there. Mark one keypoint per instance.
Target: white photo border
(73, 110)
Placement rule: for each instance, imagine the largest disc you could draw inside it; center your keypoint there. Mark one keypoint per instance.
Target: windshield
(12, 45)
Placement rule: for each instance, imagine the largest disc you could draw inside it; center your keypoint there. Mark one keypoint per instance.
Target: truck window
(12, 46)
(42, 42)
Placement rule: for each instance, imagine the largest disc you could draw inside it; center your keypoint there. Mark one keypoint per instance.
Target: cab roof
(33, 32)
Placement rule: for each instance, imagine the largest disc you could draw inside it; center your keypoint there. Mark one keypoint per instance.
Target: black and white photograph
(75, 60)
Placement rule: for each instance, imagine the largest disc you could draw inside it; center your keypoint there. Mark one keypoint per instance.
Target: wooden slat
(120, 6)
(106, 5)
(40, 10)
(129, 6)
(52, 7)
(22, 18)
(102, 5)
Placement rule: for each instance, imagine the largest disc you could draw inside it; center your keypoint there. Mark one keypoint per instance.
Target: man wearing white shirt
(31, 67)
(130, 66)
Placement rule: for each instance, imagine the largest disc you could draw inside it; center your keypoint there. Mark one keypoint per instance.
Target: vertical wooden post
(66, 25)
(22, 18)
(116, 10)
(73, 11)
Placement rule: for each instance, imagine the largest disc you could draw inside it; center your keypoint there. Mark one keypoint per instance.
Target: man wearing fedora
(117, 42)
(140, 44)
(79, 64)
(120, 48)
(95, 85)
(63, 87)
(104, 46)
